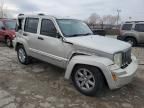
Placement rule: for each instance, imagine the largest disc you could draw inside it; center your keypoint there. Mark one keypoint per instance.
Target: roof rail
(133, 21)
(3, 18)
(41, 14)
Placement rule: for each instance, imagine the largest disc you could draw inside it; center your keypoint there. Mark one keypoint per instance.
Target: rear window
(127, 27)
(19, 24)
(31, 25)
(139, 27)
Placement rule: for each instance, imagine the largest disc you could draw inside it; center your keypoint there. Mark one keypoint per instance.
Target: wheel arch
(98, 62)
(126, 37)
(105, 81)
(20, 41)
(17, 45)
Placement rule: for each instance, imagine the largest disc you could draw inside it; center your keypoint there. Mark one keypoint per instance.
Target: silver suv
(132, 32)
(90, 61)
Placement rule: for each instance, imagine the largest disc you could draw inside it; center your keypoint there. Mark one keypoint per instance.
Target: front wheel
(88, 80)
(22, 55)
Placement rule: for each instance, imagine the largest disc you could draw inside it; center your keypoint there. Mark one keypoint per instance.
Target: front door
(51, 48)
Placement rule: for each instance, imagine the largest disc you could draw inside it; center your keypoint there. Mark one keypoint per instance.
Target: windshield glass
(10, 24)
(71, 27)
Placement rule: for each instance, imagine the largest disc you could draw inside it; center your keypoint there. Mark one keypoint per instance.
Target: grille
(126, 59)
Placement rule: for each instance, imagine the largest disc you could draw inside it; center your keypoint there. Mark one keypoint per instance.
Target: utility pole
(1, 8)
(118, 16)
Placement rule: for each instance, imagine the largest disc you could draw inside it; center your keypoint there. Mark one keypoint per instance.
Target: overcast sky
(79, 8)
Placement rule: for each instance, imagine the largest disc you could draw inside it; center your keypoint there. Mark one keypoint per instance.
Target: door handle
(25, 34)
(40, 38)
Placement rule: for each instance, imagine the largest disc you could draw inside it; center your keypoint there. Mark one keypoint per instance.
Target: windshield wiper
(74, 35)
(87, 34)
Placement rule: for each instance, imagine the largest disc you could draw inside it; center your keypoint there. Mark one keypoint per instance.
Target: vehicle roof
(133, 22)
(6, 19)
(44, 16)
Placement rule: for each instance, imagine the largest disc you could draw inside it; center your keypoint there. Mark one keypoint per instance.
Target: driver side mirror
(3, 28)
(58, 35)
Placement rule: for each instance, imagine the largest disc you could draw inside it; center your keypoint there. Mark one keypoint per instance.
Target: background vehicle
(100, 32)
(7, 31)
(132, 32)
(90, 61)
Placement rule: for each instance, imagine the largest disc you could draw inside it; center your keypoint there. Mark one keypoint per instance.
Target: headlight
(118, 59)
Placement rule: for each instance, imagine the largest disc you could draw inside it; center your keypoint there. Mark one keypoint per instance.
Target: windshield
(71, 27)
(10, 24)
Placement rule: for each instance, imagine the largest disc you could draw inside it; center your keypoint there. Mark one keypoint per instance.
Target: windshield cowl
(76, 35)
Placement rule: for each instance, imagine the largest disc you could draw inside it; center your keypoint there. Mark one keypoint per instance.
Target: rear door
(139, 28)
(30, 33)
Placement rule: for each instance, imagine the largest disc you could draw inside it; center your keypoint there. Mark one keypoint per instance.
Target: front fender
(100, 62)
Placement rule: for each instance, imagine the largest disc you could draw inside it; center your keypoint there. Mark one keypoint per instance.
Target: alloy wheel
(21, 55)
(85, 79)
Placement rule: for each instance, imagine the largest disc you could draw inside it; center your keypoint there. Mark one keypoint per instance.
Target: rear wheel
(22, 55)
(132, 41)
(88, 80)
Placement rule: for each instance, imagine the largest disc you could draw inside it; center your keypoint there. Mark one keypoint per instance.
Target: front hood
(100, 43)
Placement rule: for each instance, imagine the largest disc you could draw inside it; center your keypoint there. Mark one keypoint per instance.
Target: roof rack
(20, 14)
(41, 14)
(133, 21)
(3, 18)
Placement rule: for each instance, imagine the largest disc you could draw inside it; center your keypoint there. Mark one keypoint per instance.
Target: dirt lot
(41, 85)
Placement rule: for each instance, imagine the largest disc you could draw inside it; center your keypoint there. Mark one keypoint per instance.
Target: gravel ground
(41, 85)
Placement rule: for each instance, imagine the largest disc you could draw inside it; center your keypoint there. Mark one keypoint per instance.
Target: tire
(22, 55)
(8, 42)
(132, 41)
(90, 84)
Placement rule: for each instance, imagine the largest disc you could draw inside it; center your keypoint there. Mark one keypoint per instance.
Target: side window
(127, 27)
(48, 28)
(1, 25)
(31, 25)
(139, 27)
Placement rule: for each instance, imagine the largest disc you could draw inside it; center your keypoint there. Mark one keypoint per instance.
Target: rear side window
(48, 28)
(127, 27)
(1, 25)
(139, 27)
(31, 25)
